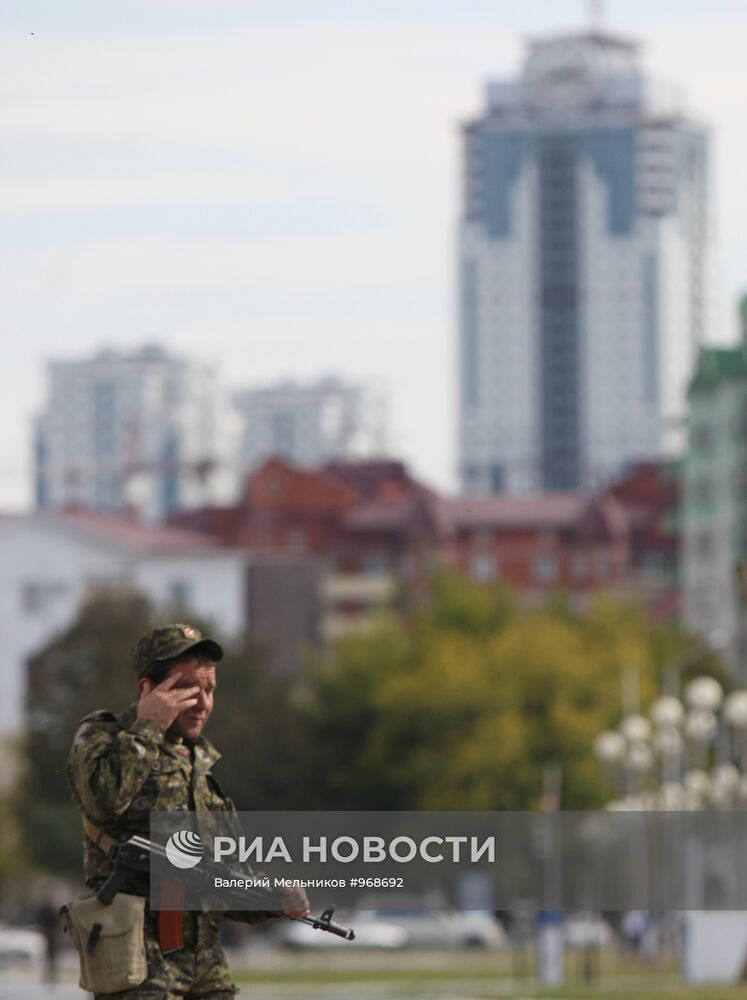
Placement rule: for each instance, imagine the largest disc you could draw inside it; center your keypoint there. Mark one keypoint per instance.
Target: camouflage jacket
(121, 768)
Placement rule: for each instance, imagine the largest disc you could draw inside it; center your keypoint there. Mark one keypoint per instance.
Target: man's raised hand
(163, 702)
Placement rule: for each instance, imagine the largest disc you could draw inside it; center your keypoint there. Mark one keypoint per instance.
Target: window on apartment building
(296, 538)
(36, 598)
(739, 420)
(703, 490)
(603, 565)
(483, 567)
(98, 583)
(181, 593)
(497, 478)
(347, 562)
(284, 433)
(32, 598)
(579, 566)
(407, 565)
(738, 480)
(740, 539)
(704, 606)
(546, 568)
(374, 564)
(701, 437)
(704, 545)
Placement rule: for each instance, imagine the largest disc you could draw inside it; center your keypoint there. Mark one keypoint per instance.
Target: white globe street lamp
(724, 785)
(669, 746)
(609, 748)
(640, 759)
(668, 742)
(704, 693)
(672, 797)
(701, 726)
(667, 711)
(735, 717)
(726, 775)
(735, 709)
(697, 781)
(635, 728)
(716, 641)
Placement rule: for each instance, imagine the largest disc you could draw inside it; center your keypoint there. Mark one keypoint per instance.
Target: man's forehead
(194, 669)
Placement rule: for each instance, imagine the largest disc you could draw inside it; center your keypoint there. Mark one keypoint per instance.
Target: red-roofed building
(539, 544)
(354, 532)
(366, 534)
(651, 495)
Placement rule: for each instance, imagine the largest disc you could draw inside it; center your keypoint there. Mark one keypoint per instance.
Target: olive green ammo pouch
(110, 941)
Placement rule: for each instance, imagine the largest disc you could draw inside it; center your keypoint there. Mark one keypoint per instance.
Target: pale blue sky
(274, 184)
(210, 14)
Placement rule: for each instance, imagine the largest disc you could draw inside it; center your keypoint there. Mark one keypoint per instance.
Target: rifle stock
(136, 853)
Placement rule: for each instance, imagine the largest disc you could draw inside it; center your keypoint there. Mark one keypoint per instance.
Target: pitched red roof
(369, 478)
(223, 522)
(379, 515)
(280, 486)
(127, 533)
(605, 516)
(548, 510)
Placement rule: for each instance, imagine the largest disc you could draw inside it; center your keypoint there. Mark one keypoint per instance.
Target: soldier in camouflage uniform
(152, 756)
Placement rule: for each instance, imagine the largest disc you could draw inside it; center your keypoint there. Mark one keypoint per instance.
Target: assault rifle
(136, 854)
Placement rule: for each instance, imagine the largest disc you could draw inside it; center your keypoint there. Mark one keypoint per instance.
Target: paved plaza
(24, 989)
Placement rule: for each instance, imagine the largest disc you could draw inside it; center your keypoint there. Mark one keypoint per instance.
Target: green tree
(260, 728)
(256, 724)
(83, 668)
(465, 706)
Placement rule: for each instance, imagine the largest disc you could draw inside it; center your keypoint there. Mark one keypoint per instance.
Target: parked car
(430, 924)
(586, 930)
(21, 944)
(370, 932)
(444, 929)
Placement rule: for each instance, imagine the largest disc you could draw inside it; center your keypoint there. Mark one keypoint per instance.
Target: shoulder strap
(100, 715)
(100, 837)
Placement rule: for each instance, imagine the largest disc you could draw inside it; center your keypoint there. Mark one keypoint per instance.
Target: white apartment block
(51, 562)
(144, 430)
(310, 423)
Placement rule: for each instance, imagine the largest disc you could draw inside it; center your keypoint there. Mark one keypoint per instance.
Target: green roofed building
(714, 534)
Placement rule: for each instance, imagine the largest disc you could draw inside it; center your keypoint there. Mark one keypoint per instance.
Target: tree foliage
(259, 728)
(460, 707)
(87, 667)
(84, 668)
(464, 708)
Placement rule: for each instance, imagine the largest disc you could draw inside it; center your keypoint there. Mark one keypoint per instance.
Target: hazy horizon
(253, 182)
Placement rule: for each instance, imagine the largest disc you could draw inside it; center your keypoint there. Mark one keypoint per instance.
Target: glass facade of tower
(583, 261)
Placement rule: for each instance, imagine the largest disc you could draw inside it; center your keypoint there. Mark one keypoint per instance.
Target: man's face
(189, 723)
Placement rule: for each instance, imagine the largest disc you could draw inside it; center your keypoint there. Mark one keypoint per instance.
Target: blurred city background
(404, 349)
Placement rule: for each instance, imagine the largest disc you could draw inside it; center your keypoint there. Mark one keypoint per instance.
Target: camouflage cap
(167, 641)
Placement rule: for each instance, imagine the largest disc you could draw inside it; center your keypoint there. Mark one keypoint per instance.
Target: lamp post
(626, 755)
(716, 640)
(690, 754)
(667, 714)
(735, 717)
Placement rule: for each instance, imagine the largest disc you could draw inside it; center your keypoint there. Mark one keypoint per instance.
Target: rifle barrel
(135, 854)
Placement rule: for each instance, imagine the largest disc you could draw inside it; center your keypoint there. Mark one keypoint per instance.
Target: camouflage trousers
(196, 972)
